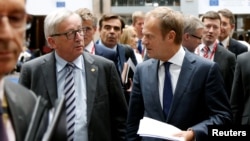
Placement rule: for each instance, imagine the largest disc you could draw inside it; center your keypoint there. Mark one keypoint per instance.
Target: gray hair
(86, 14)
(52, 20)
(191, 24)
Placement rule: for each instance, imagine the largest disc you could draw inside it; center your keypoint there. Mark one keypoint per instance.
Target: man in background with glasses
(193, 29)
(95, 107)
(89, 22)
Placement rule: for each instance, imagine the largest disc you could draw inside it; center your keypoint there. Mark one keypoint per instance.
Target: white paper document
(153, 128)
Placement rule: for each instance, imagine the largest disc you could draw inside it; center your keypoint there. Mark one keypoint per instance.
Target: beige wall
(106, 8)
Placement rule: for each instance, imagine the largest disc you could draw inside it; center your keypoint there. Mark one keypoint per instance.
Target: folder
(128, 71)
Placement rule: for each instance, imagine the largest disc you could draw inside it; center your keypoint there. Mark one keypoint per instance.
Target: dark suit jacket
(123, 52)
(106, 105)
(196, 103)
(236, 47)
(21, 102)
(240, 98)
(226, 61)
(106, 52)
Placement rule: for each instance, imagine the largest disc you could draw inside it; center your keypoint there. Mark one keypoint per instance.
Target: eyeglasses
(195, 36)
(71, 34)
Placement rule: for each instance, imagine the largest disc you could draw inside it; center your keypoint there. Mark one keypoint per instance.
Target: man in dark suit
(227, 27)
(240, 99)
(110, 29)
(196, 103)
(100, 109)
(217, 53)
(137, 23)
(16, 102)
(89, 22)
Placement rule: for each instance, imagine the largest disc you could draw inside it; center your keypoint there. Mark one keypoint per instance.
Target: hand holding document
(152, 128)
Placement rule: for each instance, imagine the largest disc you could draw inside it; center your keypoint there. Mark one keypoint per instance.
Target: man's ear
(51, 42)
(171, 35)
(186, 36)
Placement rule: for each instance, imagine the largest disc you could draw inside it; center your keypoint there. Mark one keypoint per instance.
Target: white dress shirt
(174, 69)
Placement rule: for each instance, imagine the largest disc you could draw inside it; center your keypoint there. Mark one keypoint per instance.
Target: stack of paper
(153, 128)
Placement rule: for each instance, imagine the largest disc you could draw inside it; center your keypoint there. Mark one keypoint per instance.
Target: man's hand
(187, 135)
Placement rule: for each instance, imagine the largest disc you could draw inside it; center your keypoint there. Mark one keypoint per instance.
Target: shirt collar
(178, 57)
(60, 62)
(225, 42)
(89, 46)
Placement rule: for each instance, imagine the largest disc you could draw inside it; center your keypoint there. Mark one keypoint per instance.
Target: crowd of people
(189, 72)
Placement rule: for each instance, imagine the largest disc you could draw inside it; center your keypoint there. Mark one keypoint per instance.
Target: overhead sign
(214, 2)
(43, 7)
(236, 6)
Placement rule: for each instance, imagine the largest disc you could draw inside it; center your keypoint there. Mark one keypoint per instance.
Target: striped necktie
(69, 91)
(205, 50)
(167, 90)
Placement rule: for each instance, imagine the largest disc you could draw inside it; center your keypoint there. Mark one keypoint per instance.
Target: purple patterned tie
(3, 136)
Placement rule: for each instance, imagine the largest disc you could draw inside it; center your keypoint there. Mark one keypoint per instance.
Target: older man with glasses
(193, 28)
(95, 107)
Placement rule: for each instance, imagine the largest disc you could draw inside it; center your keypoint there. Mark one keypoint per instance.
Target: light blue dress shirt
(81, 130)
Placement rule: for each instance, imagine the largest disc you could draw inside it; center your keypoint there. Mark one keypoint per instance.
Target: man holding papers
(175, 86)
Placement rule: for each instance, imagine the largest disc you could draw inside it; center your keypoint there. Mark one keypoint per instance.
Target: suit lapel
(218, 53)
(49, 72)
(182, 84)
(98, 50)
(121, 55)
(91, 71)
(153, 88)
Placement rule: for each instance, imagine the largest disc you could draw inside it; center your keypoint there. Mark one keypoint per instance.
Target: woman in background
(129, 37)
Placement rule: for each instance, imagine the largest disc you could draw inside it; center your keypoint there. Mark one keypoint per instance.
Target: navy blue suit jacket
(236, 47)
(199, 98)
(240, 98)
(106, 52)
(226, 61)
(123, 52)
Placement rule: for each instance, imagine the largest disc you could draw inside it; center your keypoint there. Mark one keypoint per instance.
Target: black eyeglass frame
(70, 33)
(195, 36)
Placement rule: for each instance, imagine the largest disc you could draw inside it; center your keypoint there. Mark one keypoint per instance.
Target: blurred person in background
(193, 29)
(129, 37)
(137, 23)
(227, 28)
(89, 22)
(110, 30)
(212, 50)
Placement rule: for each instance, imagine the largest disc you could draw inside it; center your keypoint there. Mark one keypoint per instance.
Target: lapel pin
(92, 69)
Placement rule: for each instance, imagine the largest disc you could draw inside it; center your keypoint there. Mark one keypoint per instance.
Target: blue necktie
(139, 46)
(167, 91)
(69, 91)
